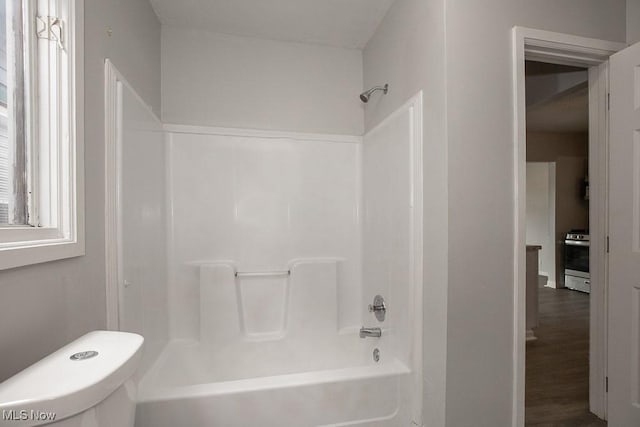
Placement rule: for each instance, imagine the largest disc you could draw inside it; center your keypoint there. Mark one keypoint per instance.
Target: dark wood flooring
(557, 378)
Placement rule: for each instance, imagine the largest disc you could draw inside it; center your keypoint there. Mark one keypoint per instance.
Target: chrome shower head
(365, 96)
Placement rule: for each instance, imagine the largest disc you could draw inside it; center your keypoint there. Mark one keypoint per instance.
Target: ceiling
(535, 68)
(342, 23)
(563, 104)
(566, 113)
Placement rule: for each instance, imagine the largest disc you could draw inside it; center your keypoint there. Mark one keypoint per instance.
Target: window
(41, 163)
(5, 184)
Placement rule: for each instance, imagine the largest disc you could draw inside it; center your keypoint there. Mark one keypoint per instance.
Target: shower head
(364, 96)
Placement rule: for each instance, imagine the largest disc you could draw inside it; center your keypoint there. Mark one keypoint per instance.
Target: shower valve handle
(378, 308)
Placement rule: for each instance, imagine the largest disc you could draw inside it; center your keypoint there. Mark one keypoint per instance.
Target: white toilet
(87, 383)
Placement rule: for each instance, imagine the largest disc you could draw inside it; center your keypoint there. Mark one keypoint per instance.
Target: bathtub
(191, 386)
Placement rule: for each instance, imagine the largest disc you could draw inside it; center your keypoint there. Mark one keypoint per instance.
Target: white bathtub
(184, 389)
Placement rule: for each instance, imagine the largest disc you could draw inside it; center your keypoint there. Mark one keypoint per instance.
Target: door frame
(558, 48)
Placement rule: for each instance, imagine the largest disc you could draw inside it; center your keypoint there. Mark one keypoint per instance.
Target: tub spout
(370, 332)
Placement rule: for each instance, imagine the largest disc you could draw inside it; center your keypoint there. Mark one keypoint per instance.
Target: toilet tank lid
(72, 379)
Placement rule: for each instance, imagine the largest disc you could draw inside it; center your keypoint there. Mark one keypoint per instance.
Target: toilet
(87, 383)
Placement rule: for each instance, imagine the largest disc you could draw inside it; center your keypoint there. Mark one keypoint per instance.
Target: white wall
(481, 190)
(144, 306)
(408, 52)
(259, 203)
(387, 237)
(541, 215)
(56, 302)
(229, 81)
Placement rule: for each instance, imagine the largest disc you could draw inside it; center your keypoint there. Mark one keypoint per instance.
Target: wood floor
(557, 378)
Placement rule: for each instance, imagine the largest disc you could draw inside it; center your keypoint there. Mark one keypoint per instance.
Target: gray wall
(407, 51)
(481, 189)
(230, 81)
(548, 146)
(469, 172)
(633, 21)
(56, 302)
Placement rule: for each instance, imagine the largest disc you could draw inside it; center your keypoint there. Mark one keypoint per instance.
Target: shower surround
(261, 205)
(277, 242)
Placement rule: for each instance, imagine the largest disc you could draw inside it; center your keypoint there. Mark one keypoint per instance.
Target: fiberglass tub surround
(276, 245)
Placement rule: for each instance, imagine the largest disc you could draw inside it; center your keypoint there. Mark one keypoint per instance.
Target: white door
(624, 232)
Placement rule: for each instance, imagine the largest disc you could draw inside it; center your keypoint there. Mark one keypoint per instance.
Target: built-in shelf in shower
(264, 305)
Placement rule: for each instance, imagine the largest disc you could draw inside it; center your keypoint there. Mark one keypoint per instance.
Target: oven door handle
(576, 243)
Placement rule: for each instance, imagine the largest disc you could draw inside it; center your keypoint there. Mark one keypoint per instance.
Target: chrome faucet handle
(373, 308)
(378, 308)
(370, 332)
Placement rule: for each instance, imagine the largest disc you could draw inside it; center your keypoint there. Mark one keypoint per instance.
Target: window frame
(61, 165)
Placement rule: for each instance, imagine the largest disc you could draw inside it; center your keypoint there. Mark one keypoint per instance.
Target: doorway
(557, 237)
(565, 50)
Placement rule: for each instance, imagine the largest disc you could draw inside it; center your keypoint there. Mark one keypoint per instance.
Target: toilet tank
(90, 372)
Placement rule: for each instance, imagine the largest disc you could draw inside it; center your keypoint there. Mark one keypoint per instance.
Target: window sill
(36, 252)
